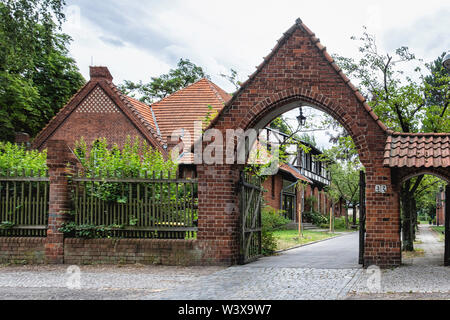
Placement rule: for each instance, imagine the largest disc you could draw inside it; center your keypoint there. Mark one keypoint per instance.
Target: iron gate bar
(251, 237)
(362, 215)
(447, 226)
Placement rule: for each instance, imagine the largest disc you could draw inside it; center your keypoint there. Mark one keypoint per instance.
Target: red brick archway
(299, 70)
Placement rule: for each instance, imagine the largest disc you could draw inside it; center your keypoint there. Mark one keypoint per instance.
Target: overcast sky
(138, 39)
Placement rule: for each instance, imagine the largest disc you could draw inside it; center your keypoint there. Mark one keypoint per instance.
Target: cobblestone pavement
(165, 283)
(263, 281)
(244, 283)
(420, 278)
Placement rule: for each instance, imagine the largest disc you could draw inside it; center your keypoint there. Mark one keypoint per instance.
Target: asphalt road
(339, 253)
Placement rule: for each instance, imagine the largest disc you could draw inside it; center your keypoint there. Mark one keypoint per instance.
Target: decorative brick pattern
(97, 102)
(100, 110)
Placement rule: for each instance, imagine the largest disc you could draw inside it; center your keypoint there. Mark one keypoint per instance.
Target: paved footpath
(325, 271)
(419, 278)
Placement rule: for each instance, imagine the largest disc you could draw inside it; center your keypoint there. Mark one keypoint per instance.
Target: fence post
(58, 157)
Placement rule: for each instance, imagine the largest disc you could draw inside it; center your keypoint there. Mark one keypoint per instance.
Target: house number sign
(381, 188)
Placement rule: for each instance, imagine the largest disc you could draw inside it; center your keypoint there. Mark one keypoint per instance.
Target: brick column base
(58, 157)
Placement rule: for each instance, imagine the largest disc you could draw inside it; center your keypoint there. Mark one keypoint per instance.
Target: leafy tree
(437, 97)
(344, 167)
(37, 76)
(233, 78)
(402, 103)
(160, 87)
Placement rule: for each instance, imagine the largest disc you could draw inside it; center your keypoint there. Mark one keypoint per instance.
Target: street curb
(311, 243)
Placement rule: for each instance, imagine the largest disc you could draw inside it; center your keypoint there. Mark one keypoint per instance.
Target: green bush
(135, 160)
(16, 158)
(315, 218)
(272, 220)
(339, 223)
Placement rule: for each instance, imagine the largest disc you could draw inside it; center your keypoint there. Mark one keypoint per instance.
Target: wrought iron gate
(251, 225)
(362, 216)
(447, 226)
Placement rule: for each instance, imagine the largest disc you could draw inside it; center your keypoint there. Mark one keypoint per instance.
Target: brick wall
(93, 121)
(22, 250)
(110, 252)
(273, 185)
(300, 70)
(132, 251)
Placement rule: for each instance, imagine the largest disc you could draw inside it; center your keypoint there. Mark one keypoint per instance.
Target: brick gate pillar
(383, 242)
(58, 158)
(218, 213)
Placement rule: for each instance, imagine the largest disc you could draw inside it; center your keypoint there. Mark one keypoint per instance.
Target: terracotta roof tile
(181, 109)
(415, 150)
(294, 172)
(146, 112)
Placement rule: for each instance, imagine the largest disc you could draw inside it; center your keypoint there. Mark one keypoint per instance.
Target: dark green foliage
(271, 220)
(88, 231)
(160, 87)
(315, 218)
(37, 76)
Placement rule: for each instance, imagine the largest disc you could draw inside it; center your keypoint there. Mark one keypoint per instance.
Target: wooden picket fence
(24, 200)
(154, 206)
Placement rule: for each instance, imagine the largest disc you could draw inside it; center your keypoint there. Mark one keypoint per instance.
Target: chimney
(100, 73)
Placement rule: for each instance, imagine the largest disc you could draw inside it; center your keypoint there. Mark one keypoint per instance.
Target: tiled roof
(181, 109)
(421, 150)
(140, 114)
(294, 172)
(133, 109)
(146, 113)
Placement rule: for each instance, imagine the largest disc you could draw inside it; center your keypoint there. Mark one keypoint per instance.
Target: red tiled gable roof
(100, 77)
(328, 58)
(294, 172)
(420, 150)
(146, 112)
(181, 109)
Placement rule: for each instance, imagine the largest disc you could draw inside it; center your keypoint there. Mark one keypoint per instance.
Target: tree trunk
(407, 221)
(414, 218)
(347, 215)
(354, 214)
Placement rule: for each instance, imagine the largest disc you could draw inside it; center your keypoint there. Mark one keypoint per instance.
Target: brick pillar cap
(100, 73)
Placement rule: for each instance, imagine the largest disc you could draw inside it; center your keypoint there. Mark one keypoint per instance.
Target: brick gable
(100, 110)
(298, 72)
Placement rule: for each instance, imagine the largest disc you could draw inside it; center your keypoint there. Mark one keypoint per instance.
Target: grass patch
(287, 239)
(413, 254)
(441, 232)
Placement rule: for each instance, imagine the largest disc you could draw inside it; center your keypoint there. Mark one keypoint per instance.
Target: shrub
(136, 159)
(339, 223)
(18, 159)
(315, 218)
(272, 219)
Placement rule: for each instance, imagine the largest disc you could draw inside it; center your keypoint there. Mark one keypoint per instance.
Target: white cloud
(138, 39)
